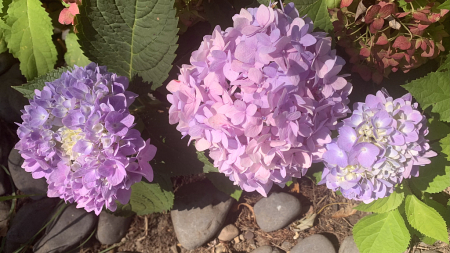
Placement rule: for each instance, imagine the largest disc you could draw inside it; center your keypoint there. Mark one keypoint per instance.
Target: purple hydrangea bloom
(382, 143)
(78, 133)
(261, 96)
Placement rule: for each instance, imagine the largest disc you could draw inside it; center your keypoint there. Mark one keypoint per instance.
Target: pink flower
(261, 96)
(67, 15)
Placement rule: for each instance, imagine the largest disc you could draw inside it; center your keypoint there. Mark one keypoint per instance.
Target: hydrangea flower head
(382, 143)
(261, 96)
(78, 133)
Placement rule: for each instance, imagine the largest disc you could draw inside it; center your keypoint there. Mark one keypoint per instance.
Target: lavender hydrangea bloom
(382, 143)
(78, 134)
(261, 96)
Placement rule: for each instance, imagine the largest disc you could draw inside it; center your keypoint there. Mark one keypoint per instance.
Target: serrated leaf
(445, 145)
(317, 11)
(445, 65)
(315, 172)
(437, 129)
(433, 90)
(225, 185)
(30, 37)
(433, 177)
(445, 5)
(154, 197)
(385, 204)
(208, 166)
(3, 27)
(28, 89)
(74, 54)
(130, 37)
(425, 219)
(382, 232)
(441, 209)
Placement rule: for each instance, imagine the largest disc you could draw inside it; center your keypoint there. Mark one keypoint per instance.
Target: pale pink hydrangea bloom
(261, 96)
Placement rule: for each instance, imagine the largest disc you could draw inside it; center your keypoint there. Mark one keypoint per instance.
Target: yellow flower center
(69, 138)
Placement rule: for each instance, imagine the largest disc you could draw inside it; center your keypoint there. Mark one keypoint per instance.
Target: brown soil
(154, 233)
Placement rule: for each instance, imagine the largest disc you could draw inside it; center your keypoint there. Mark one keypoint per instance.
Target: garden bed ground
(155, 234)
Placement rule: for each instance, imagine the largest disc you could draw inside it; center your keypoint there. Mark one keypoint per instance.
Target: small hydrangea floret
(78, 134)
(381, 144)
(261, 96)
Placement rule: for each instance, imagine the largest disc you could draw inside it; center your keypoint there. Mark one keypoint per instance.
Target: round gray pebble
(348, 246)
(111, 229)
(314, 244)
(276, 211)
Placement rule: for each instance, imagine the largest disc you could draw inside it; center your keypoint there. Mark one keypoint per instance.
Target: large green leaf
(445, 5)
(425, 219)
(3, 27)
(385, 204)
(208, 166)
(445, 145)
(30, 37)
(433, 90)
(382, 232)
(74, 54)
(130, 37)
(434, 177)
(28, 89)
(223, 184)
(316, 10)
(437, 129)
(154, 197)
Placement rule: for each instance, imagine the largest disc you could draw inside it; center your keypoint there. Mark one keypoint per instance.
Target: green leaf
(434, 177)
(74, 54)
(425, 219)
(445, 5)
(3, 27)
(445, 145)
(333, 3)
(382, 232)
(225, 185)
(437, 129)
(441, 209)
(428, 240)
(315, 172)
(154, 197)
(445, 65)
(208, 166)
(30, 37)
(317, 11)
(130, 37)
(385, 204)
(28, 89)
(433, 90)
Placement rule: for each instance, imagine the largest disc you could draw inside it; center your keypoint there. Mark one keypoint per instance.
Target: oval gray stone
(111, 229)
(199, 212)
(228, 233)
(31, 216)
(348, 246)
(23, 180)
(314, 244)
(67, 231)
(276, 211)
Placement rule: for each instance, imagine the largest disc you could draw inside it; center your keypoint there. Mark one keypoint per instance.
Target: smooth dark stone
(276, 211)
(67, 231)
(111, 229)
(199, 213)
(314, 244)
